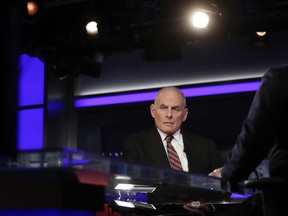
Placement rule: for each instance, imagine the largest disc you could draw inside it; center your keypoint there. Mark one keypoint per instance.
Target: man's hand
(216, 172)
(197, 208)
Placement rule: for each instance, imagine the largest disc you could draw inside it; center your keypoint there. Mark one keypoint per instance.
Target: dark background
(223, 54)
(218, 117)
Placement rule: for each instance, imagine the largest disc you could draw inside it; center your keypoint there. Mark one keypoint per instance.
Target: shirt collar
(175, 135)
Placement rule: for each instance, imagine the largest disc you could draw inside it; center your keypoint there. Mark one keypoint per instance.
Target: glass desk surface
(150, 185)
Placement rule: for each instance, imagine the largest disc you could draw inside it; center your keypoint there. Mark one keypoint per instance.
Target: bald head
(171, 91)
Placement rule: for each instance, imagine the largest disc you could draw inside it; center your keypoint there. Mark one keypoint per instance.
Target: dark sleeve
(202, 153)
(130, 149)
(215, 159)
(260, 126)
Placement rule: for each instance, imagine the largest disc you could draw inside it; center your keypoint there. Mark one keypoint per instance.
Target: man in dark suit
(197, 154)
(264, 132)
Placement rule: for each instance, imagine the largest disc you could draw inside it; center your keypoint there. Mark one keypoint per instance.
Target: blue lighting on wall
(31, 93)
(30, 129)
(149, 96)
(31, 81)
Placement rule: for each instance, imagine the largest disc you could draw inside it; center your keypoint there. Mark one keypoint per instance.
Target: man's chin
(168, 130)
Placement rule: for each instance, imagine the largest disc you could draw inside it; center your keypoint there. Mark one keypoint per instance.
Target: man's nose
(169, 113)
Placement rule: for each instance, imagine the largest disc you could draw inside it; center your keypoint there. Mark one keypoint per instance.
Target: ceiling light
(32, 8)
(261, 33)
(91, 28)
(199, 19)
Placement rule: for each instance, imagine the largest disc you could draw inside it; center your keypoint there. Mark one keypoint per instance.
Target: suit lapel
(156, 148)
(191, 153)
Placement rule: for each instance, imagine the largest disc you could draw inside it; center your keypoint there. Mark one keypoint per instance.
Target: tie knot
(169, 138)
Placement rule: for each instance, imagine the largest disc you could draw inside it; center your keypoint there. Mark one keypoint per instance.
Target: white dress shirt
(178, 144)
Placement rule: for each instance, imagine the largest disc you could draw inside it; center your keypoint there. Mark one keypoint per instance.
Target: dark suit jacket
(265, 128)
(146, 147)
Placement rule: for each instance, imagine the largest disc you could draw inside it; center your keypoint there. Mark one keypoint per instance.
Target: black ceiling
(132, 24)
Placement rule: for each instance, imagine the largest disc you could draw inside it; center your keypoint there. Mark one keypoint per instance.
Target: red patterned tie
(172, 155)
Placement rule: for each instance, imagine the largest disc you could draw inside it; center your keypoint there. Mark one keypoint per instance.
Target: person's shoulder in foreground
(264, 132)
(266, 121)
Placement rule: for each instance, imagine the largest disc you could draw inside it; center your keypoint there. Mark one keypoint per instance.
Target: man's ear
(186, 114)
(152, 110)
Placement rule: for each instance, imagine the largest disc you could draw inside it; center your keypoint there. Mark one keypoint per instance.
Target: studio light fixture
(199, 19)
(204, 15)
(91, 28)
(32, 8)
(261, 33)
(259, 38)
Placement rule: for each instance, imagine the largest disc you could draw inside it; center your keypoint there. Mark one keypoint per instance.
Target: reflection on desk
(130, 185)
